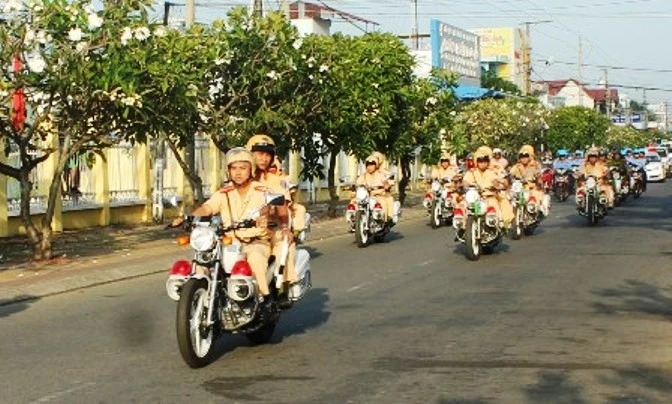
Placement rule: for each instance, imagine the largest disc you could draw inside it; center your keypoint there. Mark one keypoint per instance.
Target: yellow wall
(132, 214)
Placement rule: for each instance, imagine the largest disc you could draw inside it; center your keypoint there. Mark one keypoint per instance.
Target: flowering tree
(575, 128)
(625, 136)
(505, 123)
(74, 86)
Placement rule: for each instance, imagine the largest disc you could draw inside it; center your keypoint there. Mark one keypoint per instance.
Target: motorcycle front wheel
(361, 233)
(471, 240)
(591, 214)
(436, 217)
(517, 227)
(195, 340)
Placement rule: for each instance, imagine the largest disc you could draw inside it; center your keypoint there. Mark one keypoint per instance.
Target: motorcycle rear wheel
(262, 335)
(196, 345)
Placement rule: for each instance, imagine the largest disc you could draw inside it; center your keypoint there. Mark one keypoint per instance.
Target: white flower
(431, 101)
(297, 44)
(130, 101)
(126, 35)
(142, 33)
(272, 75)
(30, 36)
(442, 132)
(4, 93)
(324, 68)
(160, 32)
(36, 64)
(12, 5)
(81, 47)
(375, 85)
(43, 38)
(75, 34)
(311, 76)
(453, 113)
(94, 21)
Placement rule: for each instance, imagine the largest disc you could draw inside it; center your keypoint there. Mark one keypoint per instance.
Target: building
(502, 52)
(456, 50)
(312, 18)
(572, 93)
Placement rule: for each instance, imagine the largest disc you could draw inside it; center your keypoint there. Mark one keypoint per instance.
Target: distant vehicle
(655, 170)
(665, 156)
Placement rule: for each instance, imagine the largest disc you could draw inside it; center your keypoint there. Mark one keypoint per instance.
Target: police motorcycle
(439, 203)
(637, 178)
(620, 184)
(367, 216)
(302, 235)
(216, 292)
(591, 202)
(526, 210)
(481, 231)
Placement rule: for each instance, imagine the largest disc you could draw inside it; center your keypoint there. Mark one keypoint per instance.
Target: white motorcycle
(481, 232)
(439, 203)
(526, 211)
(217, 293)
(367, 218)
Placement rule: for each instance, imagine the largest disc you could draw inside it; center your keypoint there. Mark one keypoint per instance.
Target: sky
(629, 37)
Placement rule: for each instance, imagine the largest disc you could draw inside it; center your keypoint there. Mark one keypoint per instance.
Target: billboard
(502, 49)
(456, 50)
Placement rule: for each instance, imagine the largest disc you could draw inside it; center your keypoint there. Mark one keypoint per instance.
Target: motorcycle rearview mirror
(275, 199)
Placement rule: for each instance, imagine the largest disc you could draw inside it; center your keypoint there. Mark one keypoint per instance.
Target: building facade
(502, 52)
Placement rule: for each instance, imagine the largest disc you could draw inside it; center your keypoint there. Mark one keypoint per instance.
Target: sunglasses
(370, 163)
(483, 160)
(523, 155)
(445, 160)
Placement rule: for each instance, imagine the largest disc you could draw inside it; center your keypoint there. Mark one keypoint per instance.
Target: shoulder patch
(226, 188)
(262, 188)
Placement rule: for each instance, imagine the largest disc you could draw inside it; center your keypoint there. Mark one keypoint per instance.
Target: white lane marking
(352, 289)
(425, 263)
(61, 393)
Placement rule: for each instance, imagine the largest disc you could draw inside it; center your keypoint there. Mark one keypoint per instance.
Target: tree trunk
(331, 181)
(195, 182)
(31, 230)
(405, 178)
(43, 250)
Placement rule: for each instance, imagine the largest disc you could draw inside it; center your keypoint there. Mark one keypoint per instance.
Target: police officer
(376, 180)
(297, 210)
(593, 167)
(234, 202)
(499, 160)
(527, 169)
(263, 149)
(490, 183)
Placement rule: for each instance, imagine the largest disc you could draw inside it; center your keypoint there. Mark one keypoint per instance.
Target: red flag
(18, 101)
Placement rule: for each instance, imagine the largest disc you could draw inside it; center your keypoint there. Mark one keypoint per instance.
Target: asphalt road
(570, 315)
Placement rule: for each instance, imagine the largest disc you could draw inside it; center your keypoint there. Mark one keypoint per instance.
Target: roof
(597, 94)
(313, 10)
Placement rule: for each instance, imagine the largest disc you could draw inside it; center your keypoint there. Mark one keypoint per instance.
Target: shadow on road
(22, 303)
(462, 401)
(309, 313)
(635, 296)
(554, 387)
(633, 384)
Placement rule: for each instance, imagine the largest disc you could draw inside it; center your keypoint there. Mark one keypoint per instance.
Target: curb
(69, 280)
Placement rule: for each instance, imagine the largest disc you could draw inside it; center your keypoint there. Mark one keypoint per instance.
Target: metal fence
(123, 166)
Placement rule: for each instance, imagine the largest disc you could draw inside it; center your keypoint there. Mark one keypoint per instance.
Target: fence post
(50, 167)
(102, 183)
(4, 219)
(215, 156)
(145, 180)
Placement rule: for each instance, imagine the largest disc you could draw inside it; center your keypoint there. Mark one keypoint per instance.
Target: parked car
(655, 170)
(665, 157)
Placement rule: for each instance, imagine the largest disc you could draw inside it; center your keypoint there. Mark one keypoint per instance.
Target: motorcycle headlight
(590, 182)
(361, 194)
(517, 186)
(436, 186)
(471, 196)
(203, 239)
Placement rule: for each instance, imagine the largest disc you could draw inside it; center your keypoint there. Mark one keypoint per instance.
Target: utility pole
(607, 95)
(257, 7)
(580, 71)
(190, 11)
(528, 55)
(416, 38)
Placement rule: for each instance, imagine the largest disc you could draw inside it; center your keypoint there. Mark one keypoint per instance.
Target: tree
(625, 136)
(75, 70)
(576, 128)
(489, 79)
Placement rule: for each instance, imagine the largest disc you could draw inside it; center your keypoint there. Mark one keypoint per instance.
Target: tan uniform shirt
(377, 179)
(233, 207)
(439, 173)
(501, 162)
(528, 173)
(597, 170)
(483, 179)
(276, 184)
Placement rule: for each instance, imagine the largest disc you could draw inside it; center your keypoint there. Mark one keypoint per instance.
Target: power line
(635, 69)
